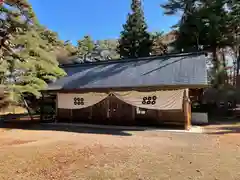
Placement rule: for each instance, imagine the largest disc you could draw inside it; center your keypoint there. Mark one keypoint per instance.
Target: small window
(141, 111)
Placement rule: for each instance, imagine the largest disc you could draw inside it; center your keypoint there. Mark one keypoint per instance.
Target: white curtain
(79, 100)
(160, 100)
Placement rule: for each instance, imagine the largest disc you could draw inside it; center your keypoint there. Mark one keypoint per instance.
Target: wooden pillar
(71, 111)
(108, 106)
(56, 108)
(133, 113)
(91, 114)
(187, 111)
(42, 107)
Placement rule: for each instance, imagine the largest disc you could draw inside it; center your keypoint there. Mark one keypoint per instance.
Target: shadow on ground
(221, 126)
(225, 122)
(121, 131)
(74, 129)
(224, 130)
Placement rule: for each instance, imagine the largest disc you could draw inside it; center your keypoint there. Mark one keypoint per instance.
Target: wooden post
(41, 107)
(133, 113)
(71, 115)
(187, 111)
(56, 108)
(108, 106)
(91, 113)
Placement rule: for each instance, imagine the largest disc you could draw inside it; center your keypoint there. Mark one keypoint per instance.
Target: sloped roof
(178, 69)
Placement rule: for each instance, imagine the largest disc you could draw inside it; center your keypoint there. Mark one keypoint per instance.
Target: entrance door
(100, 111)
(120, 113)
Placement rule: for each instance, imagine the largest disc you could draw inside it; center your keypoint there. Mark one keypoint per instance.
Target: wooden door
(100, 112)
(120, 112)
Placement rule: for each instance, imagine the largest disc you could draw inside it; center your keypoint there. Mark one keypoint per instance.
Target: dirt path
(56, 155)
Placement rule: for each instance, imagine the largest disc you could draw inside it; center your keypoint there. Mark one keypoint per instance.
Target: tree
(107, 49)
(39, 66)
(28, 61)
(158, 47)
(234, 7)
(100, 50)
(203, 23)
(85, 47)
(135, 41)
(62, 49)
(16, 16)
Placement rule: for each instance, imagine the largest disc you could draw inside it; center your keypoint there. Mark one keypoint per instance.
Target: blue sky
(102, 19)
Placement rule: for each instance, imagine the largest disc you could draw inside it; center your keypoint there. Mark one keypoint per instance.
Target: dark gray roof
(178, 69)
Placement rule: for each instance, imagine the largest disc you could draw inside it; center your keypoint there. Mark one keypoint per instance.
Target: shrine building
(144, 91)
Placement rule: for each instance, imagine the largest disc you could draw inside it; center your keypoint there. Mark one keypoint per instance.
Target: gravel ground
(93, 154)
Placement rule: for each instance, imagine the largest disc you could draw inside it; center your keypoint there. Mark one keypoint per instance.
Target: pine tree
(62, 49)
(39, 63)
(135, 41)
(234, 22)
(16, 15)
(28, 61)
(38, 67)
(203, 23)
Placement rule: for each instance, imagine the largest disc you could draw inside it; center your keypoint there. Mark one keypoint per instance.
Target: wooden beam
(187, 111)
(56, 109)
(137, 88)
(42, 107)
(71, 111)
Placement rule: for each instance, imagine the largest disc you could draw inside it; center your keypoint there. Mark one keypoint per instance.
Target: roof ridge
(134, 59)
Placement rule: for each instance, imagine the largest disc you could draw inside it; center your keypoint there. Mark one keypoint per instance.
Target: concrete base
(199, 118)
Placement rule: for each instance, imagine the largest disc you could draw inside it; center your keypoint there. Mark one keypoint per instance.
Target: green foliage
(107, 49)
(88, 49)
(39, 65)
(158, 47)
(85, 47)
(62, 50)
(135, 41)
(212, 24)
(234, 24)
(28, 60)
(202, 23)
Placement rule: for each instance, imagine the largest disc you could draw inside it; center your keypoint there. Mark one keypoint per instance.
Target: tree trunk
(238, 61)
(225, 75)
(27, 107)
(218, 78)
(215, 59)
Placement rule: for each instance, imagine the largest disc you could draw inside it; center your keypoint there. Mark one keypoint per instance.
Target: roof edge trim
(135, 59)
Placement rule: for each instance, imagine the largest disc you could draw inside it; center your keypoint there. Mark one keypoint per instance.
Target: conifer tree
(28, 61)
(135, 41)
(204, 23)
